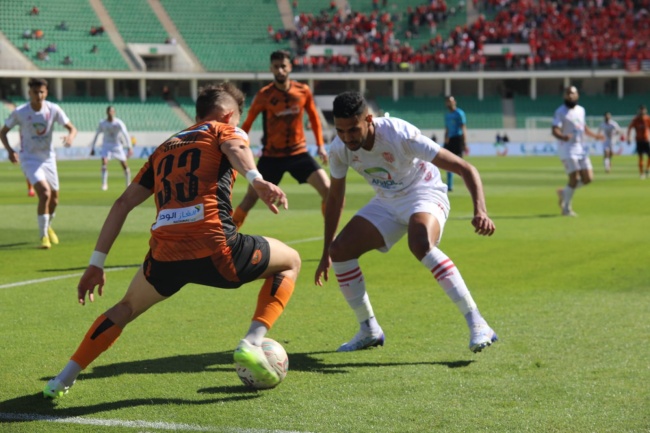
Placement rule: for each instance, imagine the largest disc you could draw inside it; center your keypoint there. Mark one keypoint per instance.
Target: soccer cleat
(362, 340)
(104, 187)
(54, 239)
(55, 389)
(45, 243)
(480, 337)
(253, 358)
(643, 176)
(569, 212)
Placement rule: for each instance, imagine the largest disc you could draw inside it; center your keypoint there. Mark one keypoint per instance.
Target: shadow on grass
(34, 407)
(222, 361)
(83, 268)
(17, 244)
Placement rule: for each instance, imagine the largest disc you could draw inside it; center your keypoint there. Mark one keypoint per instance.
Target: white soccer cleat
(569, 212)
(480, 337)
(363, 340)
(55, 389)
(104, 187)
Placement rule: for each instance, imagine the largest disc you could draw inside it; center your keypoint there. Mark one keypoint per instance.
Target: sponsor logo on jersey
(40, 128)
(182, 215)
(257, 257)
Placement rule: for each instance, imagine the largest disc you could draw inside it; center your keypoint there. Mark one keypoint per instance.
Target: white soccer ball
(277, 357)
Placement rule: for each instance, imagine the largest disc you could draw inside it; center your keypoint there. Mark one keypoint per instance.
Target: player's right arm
(241, 158)
(13, 155)
(333, 210)
(256, 108)
(94, 275)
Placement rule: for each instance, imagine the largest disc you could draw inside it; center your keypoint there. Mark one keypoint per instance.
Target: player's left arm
(316, 126)
(72, 133)
(94, 275)
(596, 135)
(447, 161)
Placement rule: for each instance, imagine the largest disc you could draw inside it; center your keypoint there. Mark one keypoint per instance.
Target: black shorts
(456, 145)
(299, 166)
(642, 147)
(249, 257)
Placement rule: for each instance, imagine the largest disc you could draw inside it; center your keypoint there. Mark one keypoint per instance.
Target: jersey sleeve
(338, 167)
(61, 117)
(557, 118)
(414, 143)
(12, 120)
(145, 176)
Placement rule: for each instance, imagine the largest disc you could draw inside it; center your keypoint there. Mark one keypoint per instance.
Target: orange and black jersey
(191, 180)
(284, 134)
(641, 125)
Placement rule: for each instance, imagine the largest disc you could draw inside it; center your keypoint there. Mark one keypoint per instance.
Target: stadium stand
(237, 43)
(136, 23)
(75, 42)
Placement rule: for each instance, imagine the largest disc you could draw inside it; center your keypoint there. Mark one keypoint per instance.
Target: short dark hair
(217, 94)
(280, 55)
(37, 82)
(349, 104)
(642, 107)
(108, 108)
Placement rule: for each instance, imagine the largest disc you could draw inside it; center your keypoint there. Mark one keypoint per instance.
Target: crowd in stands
(559, 34)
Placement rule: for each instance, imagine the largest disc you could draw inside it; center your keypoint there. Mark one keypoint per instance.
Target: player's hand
(322, 154)
(67, 142)
(14, 158)
(568, 137)
(92, 152)
(93, 276)
(270, 194)
(323, 269)
(483, 225)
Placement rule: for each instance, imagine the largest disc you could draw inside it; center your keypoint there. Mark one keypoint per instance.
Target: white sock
(127, 176)
(104, 175)
(449, 278)
(69, 374)
(608, 164)
(256, 333)
(43, 224)
(353, 287)
(568, 195)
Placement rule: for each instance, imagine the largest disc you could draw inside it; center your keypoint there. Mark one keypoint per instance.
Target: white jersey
(571, 121)
(36, 129)
(398, 162)
(610, 130)
(112, 131)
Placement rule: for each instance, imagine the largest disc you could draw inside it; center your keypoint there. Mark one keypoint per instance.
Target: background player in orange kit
(284, 146)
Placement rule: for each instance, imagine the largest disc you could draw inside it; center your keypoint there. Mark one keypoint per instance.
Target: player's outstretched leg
(353, 288)
(449, 278)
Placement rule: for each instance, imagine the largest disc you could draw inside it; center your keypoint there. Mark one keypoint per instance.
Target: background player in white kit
(569, 127)
(37, 158)
(401, 165)
(611, 130)
(112, 128)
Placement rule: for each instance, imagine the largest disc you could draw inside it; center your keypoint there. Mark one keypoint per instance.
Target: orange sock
(239, 216)
(273, 297)
(101, 335)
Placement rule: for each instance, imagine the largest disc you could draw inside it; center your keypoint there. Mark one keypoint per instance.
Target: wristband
(251, 175)
(97, 259)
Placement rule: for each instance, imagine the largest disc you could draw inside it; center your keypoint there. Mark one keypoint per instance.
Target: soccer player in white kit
(570, 128)
(112, 128)
(402, 165)
(37, 158)
(611, 130)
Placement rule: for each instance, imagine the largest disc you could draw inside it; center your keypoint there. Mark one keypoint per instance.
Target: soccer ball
(277, 357)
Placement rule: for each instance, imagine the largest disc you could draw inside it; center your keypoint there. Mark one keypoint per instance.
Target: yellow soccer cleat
(53, 237)
(45, 243)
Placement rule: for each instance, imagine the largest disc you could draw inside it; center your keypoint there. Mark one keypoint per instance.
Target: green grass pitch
(569, 298)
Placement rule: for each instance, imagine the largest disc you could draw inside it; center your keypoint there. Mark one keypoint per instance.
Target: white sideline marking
(133, 424)
(78, 274)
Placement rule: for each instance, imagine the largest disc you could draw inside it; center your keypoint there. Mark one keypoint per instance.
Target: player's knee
(294, 261)
(339, 252)
(121, 313)
(419, 246)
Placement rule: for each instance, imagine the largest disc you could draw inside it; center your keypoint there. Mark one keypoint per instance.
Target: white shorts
(577, 163)
(116, 152)
(38, 171)
(391, 216)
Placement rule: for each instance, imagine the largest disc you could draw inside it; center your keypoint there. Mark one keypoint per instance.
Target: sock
(608, 164)
(272, 299)
(104, 175)
(43, 224)
(353, 287)
(568, 196)
(101, 335)
(256, 333)
(239, 216)
(127, 176)
(69, 373)
(371, 326)
(450, 180)
(449, 278)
